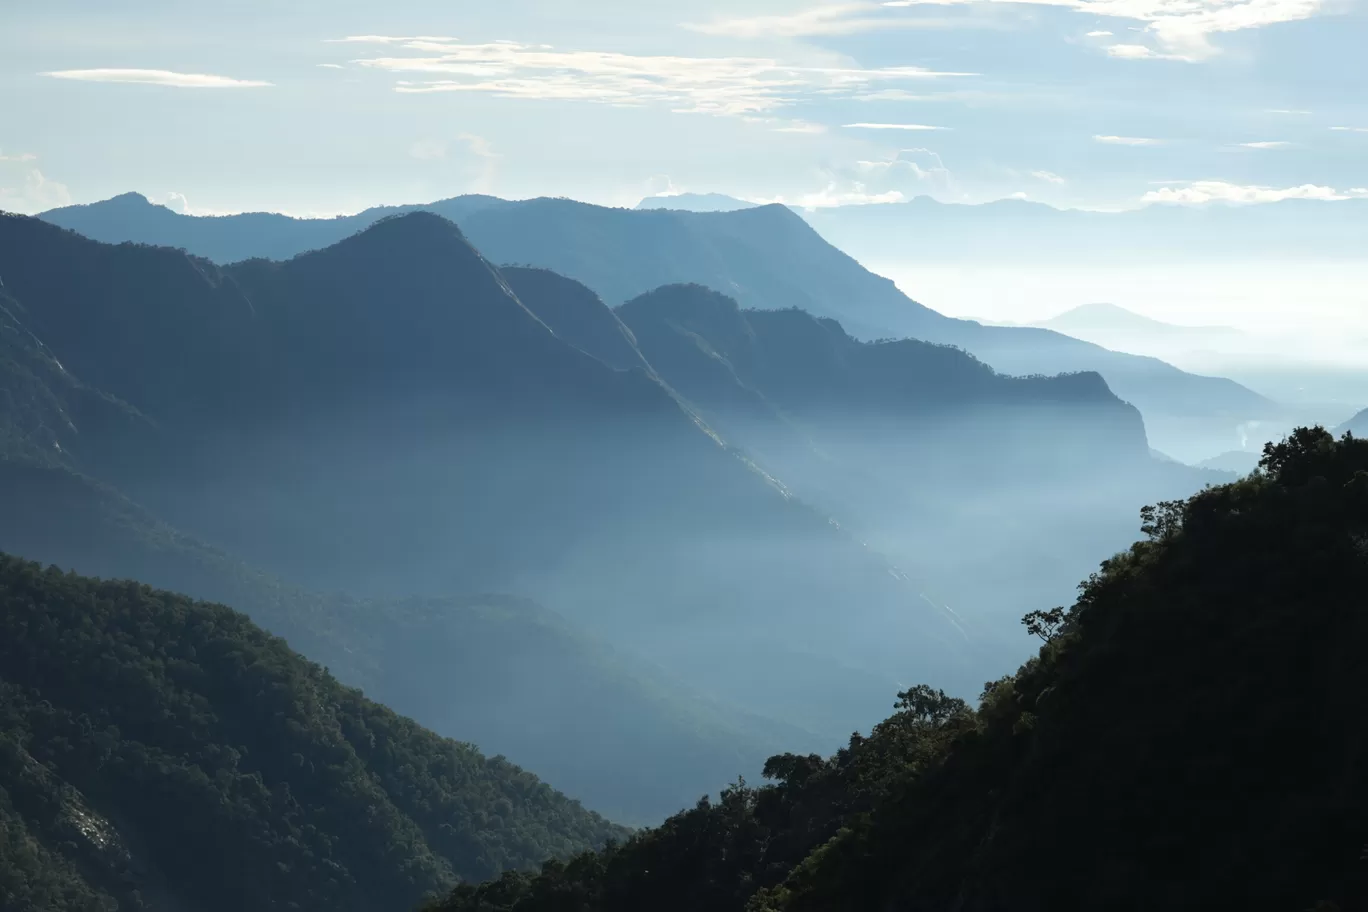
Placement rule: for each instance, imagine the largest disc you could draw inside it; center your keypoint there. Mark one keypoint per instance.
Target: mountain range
(759, 522)
(765, 257)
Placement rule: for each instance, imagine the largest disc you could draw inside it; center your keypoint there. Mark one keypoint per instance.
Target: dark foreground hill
(158, 753)
(1189, 738)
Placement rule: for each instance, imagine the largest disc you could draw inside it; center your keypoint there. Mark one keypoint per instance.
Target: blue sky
(222, 107)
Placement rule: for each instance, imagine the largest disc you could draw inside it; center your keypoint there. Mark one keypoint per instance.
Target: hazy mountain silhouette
(766, 257)
(696, 202)
(386, 416)
(1357, 425)
(922, 450)
(1021, 231)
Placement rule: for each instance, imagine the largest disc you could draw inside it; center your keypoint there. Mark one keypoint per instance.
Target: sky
(318, 107)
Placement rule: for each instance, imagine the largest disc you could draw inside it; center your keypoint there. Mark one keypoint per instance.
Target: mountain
(1180, 738)
(924, 230)
(230, 238)
(160, 753)
(1357, 425)
(1241, 462)
(1089, 320)
(921, 450)
(696, 202)
(386, 417)
(766, 257)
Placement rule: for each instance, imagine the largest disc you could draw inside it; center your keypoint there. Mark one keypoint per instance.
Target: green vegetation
(1187, 738)
(157, 752)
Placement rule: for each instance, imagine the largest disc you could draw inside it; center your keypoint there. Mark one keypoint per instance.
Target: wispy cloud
(20, 157)
(896, 179)
(388, 39)
(1350, 129)
(1181, 27)
(891, 126)
(737, 86)
(1127, 141)
(35, 193)
(1287, 111)
(159, 77)
(1266, 144)
(1142, 52)
(331, 66)
(1100, 33)
(1048, 177)
(1196, 193)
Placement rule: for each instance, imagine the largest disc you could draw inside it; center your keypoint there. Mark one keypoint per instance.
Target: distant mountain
(766, 257)
(230, 238)
(386, 416)
(1019, 231)
(1109, 319)
(1241, 462)
(922, 450)
(696, 202)
(1358, 425)
(158, 753)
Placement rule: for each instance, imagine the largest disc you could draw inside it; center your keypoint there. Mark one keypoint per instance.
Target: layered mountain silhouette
(764, 521)
(1023, 231)
(766, 257)
(387, 417)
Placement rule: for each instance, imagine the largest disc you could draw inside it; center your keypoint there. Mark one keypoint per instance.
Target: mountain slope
(1181, 739)
(386, 416)
(767, 257)
(923, 451)
(172, 754)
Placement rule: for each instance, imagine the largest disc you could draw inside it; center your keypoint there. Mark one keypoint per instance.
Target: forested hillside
(169, 754)
(1185, 739)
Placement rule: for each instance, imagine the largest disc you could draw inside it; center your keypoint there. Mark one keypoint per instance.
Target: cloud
(909, 173)
(1268, 144)
(1350, 129)
(1196, 193)
(1048, 177)
(1101, 33)
(158, 77)
(1127, 141)
(736, 86)
(1182, 27)
(467, 153)
(331, 66)
(1141, 52)
(176, 202)
(1286, 111)
(886, 126)
(21, 157)
(1019, 195)
(388, 39)
(35, 194)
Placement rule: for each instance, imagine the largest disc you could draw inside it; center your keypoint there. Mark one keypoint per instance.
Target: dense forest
(160, 753)
(1185, 739)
